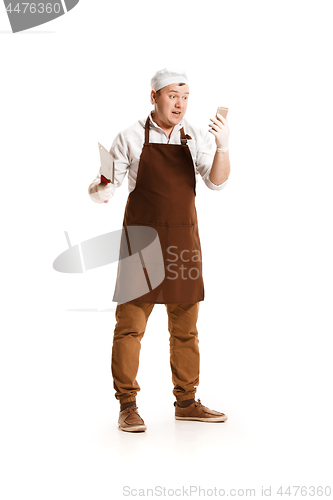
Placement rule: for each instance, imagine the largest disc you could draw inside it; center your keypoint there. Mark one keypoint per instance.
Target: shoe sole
(213, 419)
(138, 428)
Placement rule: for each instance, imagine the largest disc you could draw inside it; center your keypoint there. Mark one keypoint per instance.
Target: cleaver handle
(105, 181)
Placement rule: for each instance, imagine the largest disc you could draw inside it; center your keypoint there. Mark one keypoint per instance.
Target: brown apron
(164, 199)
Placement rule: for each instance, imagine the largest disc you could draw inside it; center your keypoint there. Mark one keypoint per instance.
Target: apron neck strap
(147, 131)
(183, 137)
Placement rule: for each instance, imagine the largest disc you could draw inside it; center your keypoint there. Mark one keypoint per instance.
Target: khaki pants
(184, 348)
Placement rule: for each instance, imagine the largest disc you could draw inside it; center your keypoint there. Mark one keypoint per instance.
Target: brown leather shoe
(197, 411)
(130, 420)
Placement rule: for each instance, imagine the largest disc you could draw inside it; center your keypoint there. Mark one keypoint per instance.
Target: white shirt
(127, 147)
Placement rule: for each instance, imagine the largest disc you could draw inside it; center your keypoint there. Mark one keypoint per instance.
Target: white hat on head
(165, 77)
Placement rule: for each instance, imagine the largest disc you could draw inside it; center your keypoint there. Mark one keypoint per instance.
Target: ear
(153, 96)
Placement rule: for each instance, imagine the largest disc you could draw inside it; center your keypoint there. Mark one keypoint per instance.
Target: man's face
(170, 104)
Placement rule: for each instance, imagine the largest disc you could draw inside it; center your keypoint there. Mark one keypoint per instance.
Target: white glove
(100, 192)
(220, 128)
(104, 191)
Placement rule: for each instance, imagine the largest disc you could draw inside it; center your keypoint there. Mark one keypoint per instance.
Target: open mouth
(176, 113)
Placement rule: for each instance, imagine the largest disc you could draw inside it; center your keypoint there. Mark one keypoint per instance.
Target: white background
(265, 326)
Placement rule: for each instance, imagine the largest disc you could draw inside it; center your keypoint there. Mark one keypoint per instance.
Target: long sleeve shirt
(127, 146)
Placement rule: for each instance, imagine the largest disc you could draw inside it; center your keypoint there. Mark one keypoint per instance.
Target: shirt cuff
(211, 185)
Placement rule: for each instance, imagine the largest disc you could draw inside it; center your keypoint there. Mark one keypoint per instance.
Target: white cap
(165, 77)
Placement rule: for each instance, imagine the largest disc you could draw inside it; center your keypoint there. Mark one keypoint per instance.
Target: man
(163, 156)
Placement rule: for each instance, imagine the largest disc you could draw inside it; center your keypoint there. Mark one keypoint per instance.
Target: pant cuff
(185, 397)
(127, 399)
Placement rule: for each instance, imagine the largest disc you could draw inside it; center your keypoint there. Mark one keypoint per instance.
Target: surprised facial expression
(170, 103)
